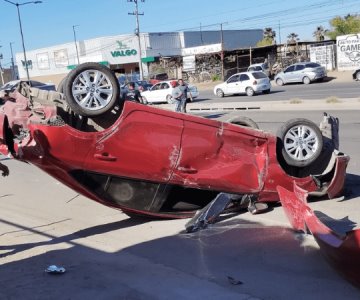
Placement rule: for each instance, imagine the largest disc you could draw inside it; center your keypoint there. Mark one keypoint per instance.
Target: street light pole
(21, 31)
(77, 52)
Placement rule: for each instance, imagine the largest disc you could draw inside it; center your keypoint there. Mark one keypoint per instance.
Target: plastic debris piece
(234, 281)
(53, 269)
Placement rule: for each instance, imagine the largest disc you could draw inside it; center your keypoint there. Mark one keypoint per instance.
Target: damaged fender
(342, 251)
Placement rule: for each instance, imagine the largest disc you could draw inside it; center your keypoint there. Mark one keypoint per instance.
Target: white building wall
(348, 52)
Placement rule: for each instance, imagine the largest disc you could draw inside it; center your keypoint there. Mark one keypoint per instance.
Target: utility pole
(137, 32)
(77, 52)
(279, 34)
(222, 50)
(1, 70)
(12, 62)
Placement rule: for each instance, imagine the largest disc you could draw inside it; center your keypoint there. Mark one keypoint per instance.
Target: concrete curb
(284, 105)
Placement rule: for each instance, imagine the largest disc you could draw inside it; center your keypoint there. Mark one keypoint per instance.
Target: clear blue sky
(50, 22)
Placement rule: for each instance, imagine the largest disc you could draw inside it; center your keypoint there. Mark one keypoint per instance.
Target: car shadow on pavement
(84, 233)
(181, 266)
(352, 187)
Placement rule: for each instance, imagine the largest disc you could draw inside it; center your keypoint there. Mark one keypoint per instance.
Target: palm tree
(319, 33)
(269, 34)
(293, 38)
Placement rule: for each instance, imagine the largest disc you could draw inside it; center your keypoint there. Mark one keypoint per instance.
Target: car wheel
(300, 142)
(243, 121)
(279, 82)
(249, 91)
(306, 80)
(170, 99)
(266, 91)
(92, 89)
(61, 86)
(219, 93)
(358, 76)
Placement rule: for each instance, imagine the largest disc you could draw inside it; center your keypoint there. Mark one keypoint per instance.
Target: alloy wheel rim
(301, 142)
(92, 90)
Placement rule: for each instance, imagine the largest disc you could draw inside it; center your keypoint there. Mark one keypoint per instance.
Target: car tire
(250, 92)
(279, 82)
(357, 76)
(87, 97)
(266, 91)
(61, 85)
(220, 93)
(300, 142)
(243, 121)
(306, 80)
(170, 99)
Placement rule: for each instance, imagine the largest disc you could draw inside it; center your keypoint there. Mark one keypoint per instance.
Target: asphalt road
(320, 90)
(109, 256)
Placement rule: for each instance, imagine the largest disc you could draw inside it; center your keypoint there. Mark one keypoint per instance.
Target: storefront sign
(323, 55)
(348, 52)
(43, 61)
(123, 50)
(201, 49)
(61, 58)
(189, 63)
(128, 52)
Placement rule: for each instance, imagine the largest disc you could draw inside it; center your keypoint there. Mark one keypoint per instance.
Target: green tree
(349, 24)
(268, 38)
(320, 33)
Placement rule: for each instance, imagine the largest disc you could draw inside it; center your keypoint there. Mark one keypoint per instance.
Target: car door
(131, 163)
(153, 95)
(244, 83)
(143, 145)
(299, 73)
(232, 85)
(289, 74)
(221, 157)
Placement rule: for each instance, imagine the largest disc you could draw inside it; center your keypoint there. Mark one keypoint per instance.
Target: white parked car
(162, 91)
(264, 67)
(249, 83)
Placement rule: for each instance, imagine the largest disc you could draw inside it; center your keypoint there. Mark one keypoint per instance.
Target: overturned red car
(150, 161)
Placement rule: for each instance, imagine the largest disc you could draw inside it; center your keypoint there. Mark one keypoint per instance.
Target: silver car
(305, 72)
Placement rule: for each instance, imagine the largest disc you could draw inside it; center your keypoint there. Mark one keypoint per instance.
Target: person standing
(132, 94)
(176, 95)
(185, 94)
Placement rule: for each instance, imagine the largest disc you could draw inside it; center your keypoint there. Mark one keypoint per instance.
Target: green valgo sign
(128, 52)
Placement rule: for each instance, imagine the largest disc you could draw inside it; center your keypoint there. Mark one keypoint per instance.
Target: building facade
(122, 54)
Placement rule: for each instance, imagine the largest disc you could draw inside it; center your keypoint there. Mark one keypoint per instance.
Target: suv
(305, 72)
(264, 67)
